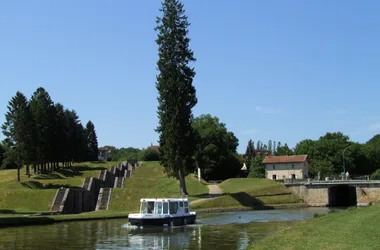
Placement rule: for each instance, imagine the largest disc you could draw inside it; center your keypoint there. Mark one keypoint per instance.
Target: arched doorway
(342, 196)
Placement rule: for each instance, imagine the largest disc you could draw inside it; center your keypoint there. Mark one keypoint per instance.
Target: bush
(151, 155)
(375, 175)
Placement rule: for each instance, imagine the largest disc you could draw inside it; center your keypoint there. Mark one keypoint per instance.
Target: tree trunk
(18, 172)
(34, 169)
(28, 170)
(182, 182)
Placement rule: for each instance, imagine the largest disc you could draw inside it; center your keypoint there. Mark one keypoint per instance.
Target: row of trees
(216, 149)
(326, 155)
(123, 154)
(42, 134)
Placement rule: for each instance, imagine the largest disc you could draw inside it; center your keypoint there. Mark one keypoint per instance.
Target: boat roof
(164, 199)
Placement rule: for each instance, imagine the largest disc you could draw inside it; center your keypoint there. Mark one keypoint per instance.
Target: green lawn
(249, 193)
(150, 181)
(356, 229)
(37, 193)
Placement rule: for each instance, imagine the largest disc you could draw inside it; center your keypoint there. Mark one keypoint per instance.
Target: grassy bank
(249, 193)
(150, 181)
(356, 229)
(25, 220)
(37, 193)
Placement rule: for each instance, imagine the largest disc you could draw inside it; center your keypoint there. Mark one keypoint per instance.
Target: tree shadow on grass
(39, 185)
(248, 201)
(63, 173)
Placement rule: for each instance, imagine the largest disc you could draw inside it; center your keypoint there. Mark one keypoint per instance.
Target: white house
(286, 167)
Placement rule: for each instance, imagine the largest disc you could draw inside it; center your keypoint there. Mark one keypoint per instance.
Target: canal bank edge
(17, 221)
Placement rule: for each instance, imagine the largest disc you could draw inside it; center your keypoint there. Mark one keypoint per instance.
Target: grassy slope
(149, 181)
(249, 193)
(357, 229)
(37, 193)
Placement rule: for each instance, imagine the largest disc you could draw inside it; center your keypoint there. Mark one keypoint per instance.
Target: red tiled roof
(284, 159)
(104, 149)
(156, 148)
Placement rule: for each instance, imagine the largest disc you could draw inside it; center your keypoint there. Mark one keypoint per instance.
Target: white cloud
(267, 110)
(374, 126)
(250, 132)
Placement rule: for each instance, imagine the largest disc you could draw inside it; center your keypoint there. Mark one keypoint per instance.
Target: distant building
(103, 154)
(286, 167)
(154, 148)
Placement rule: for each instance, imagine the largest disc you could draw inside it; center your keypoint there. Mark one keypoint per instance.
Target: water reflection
(218, 231)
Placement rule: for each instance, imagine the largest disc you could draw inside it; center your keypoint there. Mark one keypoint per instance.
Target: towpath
(213, 191)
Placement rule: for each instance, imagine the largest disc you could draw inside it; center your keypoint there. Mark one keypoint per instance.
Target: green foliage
(150, 155)
(283, 150)
(2, 151)
(270, 147)
(123, 154)
(92, 142)
(10, 159)
(257, 168)
(40, 133)
(177, 95)
(249, 154)
(375, 175)
(216, 153)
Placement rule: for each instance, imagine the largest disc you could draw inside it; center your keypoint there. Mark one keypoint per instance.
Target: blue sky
(280, 70)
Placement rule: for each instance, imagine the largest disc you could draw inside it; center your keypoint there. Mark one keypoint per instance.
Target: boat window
(186, 204)
(186, 210)
(144, 207)
(165, 208)
(181, 204)
(173, 207)
(158, 207)
(150, 207)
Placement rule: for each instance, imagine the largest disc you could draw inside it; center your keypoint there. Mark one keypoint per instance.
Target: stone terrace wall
(69, 200)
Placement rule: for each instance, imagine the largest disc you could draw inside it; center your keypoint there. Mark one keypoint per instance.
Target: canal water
(222, 231)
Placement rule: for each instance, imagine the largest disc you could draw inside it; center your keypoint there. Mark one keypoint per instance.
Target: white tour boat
(161, 212)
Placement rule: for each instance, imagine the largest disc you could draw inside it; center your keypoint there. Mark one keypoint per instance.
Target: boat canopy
(164, 206)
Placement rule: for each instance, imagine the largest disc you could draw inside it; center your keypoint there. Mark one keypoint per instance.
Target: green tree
(92, 142)
(284, 150)
(61, 145)
(257, 168)
(15, 129)
(2, 151)
(274, 148)
(270, 148)
(249, 154)
(216, 154)
(177, 95)
(42, 111)
(258, 144)
(150, 155)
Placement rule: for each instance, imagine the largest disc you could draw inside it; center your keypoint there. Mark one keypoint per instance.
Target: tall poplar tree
(92, 142)
(249, 154)
(177, 95)
(270, 146)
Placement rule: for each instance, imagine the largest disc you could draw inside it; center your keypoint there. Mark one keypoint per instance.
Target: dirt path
(213, 191)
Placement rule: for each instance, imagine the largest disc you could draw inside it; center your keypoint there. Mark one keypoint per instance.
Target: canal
(232, 230)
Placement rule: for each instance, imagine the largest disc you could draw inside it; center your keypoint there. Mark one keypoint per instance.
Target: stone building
(286, 167)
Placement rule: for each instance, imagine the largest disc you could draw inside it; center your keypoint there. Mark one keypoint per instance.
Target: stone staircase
(119, 182)
(103, 199)
(59, 199)
(95, 193)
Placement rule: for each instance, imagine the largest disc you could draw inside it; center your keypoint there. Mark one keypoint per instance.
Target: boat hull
(170, 221)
